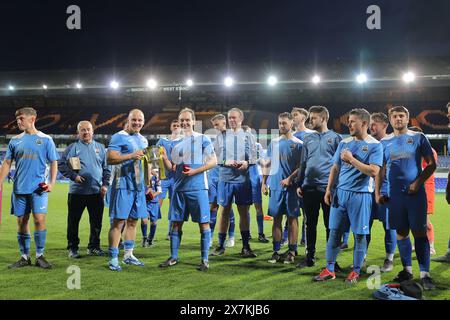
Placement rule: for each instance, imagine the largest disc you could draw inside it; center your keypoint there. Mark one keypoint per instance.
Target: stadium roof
(334, 74)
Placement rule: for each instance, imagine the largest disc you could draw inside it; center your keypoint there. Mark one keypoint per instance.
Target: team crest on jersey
(97, 150)
(292, 146)
(38, 141)
(365, 148)
(409, 141)
(330, 141)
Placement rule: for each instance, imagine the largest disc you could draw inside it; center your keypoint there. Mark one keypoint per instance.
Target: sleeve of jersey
(207, 146)
(52, 154)
(63, 167)
(106, 176)
(425, 146)
(376, 157)
(10, 151)
(337, 155)
(218, 142)
(269, 151)
(114, 144)
(298, 155)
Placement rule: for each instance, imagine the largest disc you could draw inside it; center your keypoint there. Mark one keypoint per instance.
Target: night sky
(129, 33)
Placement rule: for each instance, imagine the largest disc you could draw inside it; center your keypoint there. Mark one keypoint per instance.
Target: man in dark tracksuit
(318, 149)
(84, 163)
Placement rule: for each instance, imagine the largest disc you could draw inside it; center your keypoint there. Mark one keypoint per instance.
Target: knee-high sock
(423, 253)
(232, 224)
(113, 252)
(144, 229)
(260, 221)
(245, 239)
(204, 244)
(390, 241)
(359, 252)
(222, 237)
(39, 240)
(174, 244)
(292, 247)
(212, 221)
(286, 231)
(152, 231)
(405, 250)
(345, 237)
(24, 243)
(333, 248)
(128, 247)
(276, 245)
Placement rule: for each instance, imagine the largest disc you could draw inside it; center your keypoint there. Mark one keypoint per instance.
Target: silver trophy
(153, 160)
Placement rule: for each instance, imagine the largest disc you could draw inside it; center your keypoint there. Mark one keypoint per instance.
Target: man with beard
(318, 149)
(355, 164)
(403, 153)
(283, 157)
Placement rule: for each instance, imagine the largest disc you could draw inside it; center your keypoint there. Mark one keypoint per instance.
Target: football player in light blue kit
(299, 117)
(219, 122)
(407, 201)
(167, 184)
(356, 163)
(255, 181)
(378, 125)
(127, 203)
(237, 151)
(191, 158)
(31, 151)
(283, 156)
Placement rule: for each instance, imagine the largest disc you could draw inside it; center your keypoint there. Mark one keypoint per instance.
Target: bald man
(128, 203)
(84, 163)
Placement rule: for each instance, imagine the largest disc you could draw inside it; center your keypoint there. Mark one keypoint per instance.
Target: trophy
(75, 163)
(152, 160)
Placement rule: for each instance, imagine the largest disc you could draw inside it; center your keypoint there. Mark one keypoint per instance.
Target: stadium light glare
(272, 80)
(228, 82)
(409, 77)
(114, 84)
(361, 78)
(189, 82)
(152, 84)
(78, 85)
(315, 79)
(11, 88)
(44, 86)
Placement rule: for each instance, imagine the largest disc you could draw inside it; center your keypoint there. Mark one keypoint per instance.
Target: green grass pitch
(229, 277)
